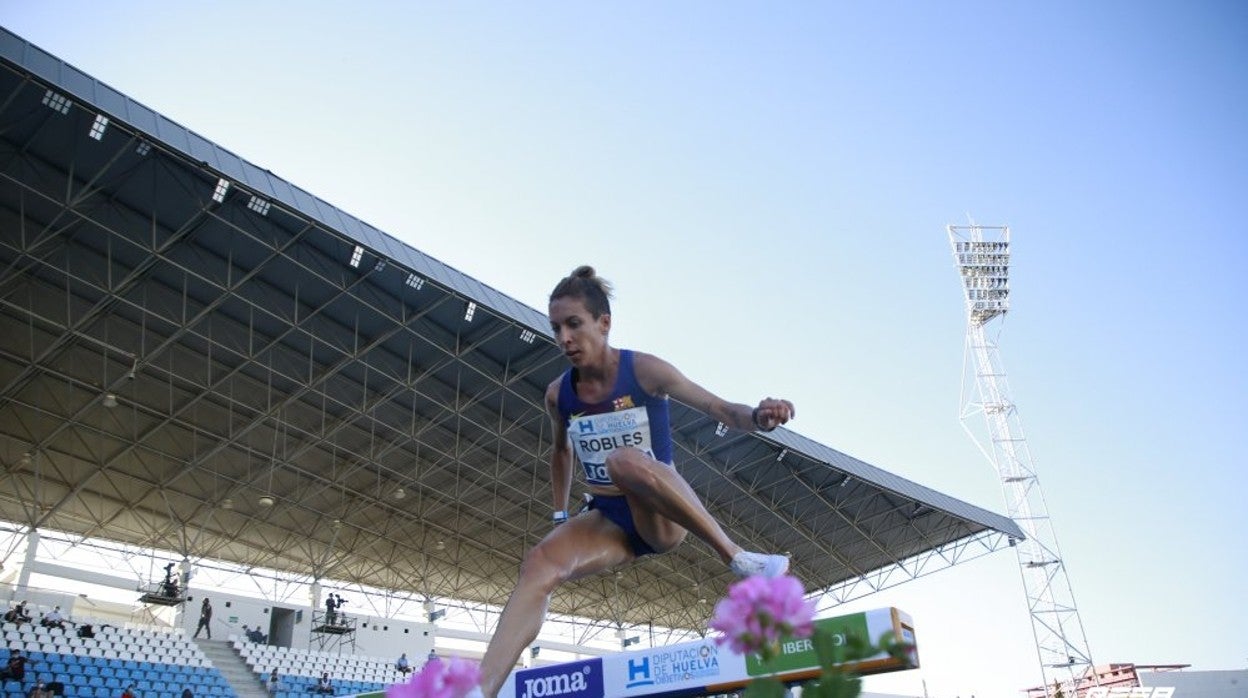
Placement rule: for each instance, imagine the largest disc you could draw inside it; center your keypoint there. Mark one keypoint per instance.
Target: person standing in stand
(205, 619)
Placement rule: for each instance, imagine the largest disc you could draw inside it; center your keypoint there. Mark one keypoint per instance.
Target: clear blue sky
(768, 186)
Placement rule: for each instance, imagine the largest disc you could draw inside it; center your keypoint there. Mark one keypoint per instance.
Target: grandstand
(163, 661)
(298, 670)
(156, 662)
(199, 358)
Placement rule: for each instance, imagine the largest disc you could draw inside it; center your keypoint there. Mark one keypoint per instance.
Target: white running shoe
(746, 564)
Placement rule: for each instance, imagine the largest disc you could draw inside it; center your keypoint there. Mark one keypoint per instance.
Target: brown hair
(584, 283)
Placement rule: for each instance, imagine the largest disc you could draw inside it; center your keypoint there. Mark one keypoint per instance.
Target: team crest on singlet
(595, 436)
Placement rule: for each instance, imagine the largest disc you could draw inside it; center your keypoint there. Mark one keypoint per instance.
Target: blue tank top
(628, 417)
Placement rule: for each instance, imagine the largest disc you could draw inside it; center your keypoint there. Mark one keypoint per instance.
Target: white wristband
(559, 516)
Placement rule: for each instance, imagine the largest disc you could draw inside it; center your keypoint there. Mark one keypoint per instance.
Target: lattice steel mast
(982, 255)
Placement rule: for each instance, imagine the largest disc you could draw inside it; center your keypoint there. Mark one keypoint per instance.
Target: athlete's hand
(771, 413)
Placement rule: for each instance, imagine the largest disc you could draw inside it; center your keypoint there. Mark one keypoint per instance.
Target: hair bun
(585, 283)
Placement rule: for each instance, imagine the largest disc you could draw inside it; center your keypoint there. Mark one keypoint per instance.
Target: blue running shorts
(617, 512)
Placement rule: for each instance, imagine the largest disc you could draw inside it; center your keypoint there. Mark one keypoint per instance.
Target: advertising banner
(579, 679)
(702, 667)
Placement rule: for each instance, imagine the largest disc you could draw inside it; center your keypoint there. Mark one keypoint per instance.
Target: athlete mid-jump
(611, 409)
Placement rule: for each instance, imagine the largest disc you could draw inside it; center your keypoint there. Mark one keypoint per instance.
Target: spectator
(433, 654)
(53, 619)
(324, 685)
(40, 690)
(205, 617)
(188, 693)
(255, 635)
(15, 670)
(275, 683)
(85, 630)
(56, 688)
(129, 692)
(402, 664)
(17, 614)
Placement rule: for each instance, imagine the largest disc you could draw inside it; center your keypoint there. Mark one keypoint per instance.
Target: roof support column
(32, 551)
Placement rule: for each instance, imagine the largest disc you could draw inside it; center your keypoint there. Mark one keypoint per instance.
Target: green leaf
(857, 647)
(827, 649)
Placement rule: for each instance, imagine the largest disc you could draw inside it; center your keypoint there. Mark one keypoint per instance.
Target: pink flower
(759, 610)
(439, 679)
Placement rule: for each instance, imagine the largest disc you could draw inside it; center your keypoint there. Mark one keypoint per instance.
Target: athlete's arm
(561, 453)
(658, 377)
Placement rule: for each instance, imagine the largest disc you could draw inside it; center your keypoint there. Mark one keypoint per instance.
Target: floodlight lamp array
(98, 127)
(219, 192)
(259, 205)
(985, 267)
(57, 102)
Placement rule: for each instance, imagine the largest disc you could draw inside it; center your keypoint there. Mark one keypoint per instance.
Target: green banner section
(797, 654)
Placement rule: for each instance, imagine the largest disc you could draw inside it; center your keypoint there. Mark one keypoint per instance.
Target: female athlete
(610, 409)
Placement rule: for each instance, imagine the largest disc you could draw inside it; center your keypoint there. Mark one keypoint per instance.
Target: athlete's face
(580, 335)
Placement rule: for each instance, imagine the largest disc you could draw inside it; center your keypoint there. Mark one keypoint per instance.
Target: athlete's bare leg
(585, 545)
(664, 505)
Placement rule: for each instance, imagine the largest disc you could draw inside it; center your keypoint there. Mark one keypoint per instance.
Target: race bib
(594, 437)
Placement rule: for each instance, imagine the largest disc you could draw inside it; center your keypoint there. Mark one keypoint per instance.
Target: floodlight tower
(982, 255)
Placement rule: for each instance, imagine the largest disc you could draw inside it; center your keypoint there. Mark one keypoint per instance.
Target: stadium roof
(183, 334)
